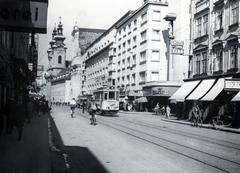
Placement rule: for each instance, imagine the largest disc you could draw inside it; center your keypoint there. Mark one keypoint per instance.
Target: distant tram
(107, 98)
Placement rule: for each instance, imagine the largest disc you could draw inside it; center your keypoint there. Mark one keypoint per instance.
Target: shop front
(160, 94)
(214, 96)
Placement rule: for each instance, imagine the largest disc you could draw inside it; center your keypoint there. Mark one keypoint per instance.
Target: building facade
(82, 38)
(214, 66)
(134, 56)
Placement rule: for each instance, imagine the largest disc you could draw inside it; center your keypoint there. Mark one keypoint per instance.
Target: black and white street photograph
(119, 86)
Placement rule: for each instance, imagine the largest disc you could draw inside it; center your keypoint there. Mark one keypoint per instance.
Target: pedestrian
(168, 112)
(83, 107)
(73, 105)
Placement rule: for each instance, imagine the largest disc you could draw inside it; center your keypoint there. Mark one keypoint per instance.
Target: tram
(107, 98)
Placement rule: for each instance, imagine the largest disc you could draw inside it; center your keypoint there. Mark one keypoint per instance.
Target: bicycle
(217, 122)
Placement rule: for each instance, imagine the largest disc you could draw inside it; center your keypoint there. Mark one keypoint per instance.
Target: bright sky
(88, 13)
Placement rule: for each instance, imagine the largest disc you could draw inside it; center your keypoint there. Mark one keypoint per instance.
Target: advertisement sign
(24, 15)
(232, 84)
(177, 47)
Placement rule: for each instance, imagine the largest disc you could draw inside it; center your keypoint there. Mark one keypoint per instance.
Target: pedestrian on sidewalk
(83, 107)
(168, 112)
(73, 105)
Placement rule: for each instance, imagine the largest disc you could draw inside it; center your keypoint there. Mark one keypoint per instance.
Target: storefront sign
(24, 15)
(159, 91)
(232, 84)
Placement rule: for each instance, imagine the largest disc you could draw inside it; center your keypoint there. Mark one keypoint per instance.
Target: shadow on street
(80, 159)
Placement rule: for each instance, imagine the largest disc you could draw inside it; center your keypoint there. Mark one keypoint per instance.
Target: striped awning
(202, 89)
(237, 97)
(183, 91)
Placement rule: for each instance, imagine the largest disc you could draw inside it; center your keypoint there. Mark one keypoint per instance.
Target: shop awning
(183, 91)
(237, 97)
(202, 89)
(216, 89)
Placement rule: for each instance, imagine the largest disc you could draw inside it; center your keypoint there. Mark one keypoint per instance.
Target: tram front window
(105, 96)
(111, 95)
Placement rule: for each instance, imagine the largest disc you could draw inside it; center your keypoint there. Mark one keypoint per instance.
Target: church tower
(57, 51)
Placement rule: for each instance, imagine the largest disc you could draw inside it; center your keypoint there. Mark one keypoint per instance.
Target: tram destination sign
(24, 15)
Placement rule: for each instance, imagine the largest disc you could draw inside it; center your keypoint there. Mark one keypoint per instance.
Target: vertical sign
(24, 15)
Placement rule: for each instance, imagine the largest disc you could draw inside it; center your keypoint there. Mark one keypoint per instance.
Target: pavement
(185, 122)
(31, 154)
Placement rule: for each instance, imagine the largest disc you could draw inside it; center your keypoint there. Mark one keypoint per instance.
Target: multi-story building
(96, 59)
(134, 56)
(214, 66)
(82, 38)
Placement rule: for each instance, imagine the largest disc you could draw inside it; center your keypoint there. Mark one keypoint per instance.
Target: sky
(99, 14)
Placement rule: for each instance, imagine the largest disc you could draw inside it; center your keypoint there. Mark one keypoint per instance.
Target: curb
(209, 126)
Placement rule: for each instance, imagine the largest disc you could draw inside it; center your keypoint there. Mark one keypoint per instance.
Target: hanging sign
(24, 15)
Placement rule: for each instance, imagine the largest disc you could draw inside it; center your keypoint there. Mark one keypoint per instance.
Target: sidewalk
(31, 154)
(174, 120)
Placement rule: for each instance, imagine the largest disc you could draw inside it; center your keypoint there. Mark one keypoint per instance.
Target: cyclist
(73, 105)
(92, 109)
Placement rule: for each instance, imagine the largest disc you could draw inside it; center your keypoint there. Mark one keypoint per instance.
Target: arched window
(59, 59)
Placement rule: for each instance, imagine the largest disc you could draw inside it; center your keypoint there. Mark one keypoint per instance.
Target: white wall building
(145, 53)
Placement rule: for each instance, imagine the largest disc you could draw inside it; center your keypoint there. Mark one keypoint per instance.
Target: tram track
(187, 134)
(184, 151)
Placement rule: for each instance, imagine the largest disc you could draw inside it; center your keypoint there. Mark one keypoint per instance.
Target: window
(124, 46)
(135, 23)
(156, 35)
(204, 62)
(143, 56)
(155, 55)
(233, 56)
(217, 61)
(133, 79)
(129, 43)
(129, 28)
(156, 16)
(119, 64)
(218, 20)
(128, 79)
(155, 76)
(234, 12)
(134, 60)
(59, 59)
(144, 17)
(128, 62)
(199, 25)
(123, 63)
(123, 80)
(142, 76)
(135, 40)
(198, 62)
(119, 47)
(205, 24)
(143, 36)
